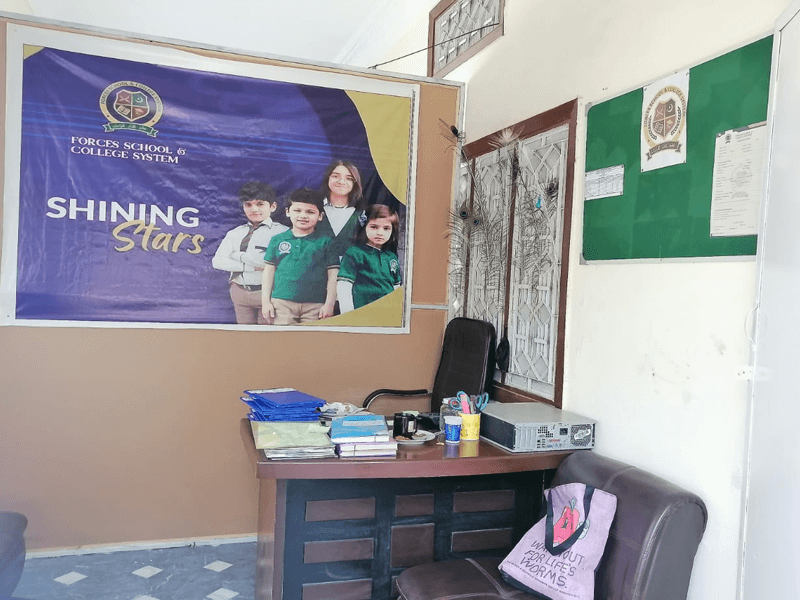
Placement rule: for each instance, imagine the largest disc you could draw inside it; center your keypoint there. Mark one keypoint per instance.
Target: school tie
(246, 239)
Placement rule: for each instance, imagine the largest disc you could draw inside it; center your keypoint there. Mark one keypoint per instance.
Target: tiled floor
(219, 572)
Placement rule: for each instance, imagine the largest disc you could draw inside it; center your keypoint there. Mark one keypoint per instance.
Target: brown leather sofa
(649, 555)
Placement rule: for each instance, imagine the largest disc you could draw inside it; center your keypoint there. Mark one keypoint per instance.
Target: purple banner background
(216, 132)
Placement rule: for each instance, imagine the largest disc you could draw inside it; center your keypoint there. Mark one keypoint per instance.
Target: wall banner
(148, 186)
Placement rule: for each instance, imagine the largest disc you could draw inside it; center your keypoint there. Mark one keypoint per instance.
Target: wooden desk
(345, 528)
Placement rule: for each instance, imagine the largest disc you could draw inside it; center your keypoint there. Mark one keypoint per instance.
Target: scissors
(481, 400)
(466, 405)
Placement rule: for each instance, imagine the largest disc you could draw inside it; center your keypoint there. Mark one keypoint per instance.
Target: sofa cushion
(476, 579)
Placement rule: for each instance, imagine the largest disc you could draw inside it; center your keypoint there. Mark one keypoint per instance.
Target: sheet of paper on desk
(279, 434)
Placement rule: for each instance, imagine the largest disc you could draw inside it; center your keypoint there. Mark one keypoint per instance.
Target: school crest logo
(393, 265)
(131, 106)
(664, 120)
(284, 247)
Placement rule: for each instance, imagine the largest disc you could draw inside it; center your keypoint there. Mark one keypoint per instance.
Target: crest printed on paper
(131, 106)
(664, 106)
(664, 120)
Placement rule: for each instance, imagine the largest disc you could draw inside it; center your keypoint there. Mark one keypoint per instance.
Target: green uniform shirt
(346, 236)
(373, 273)
(301, 266)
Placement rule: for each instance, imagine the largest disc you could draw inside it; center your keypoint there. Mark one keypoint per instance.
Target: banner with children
(150, 186)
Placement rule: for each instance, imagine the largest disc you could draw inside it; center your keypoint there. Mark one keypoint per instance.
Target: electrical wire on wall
(375, 66)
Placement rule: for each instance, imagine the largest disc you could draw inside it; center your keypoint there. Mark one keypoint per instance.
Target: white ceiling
(354, 32)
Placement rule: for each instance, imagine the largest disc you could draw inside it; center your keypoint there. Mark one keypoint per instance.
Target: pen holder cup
(470, 426)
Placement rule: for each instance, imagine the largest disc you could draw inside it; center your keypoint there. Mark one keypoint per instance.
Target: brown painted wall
(119, 435)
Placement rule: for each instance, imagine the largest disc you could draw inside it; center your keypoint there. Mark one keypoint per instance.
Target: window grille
(459, 29)
(506, 267)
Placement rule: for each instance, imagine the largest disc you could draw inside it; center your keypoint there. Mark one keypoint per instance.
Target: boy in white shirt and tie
(241, 251)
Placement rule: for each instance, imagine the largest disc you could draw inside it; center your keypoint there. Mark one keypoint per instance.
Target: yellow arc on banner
(30, 50)
(387, 120)
(384, 312)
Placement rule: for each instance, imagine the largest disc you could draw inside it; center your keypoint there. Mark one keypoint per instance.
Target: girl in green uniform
(369, 269)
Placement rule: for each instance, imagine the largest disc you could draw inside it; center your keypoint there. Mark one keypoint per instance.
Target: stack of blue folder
(281, 404)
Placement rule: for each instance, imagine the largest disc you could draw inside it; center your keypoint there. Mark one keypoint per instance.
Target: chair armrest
(399, 404)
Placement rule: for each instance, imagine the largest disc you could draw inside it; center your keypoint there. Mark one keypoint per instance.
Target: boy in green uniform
(299, 280)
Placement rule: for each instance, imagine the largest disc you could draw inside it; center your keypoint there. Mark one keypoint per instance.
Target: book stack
(291, 440)
(282, 404)
(362, 435)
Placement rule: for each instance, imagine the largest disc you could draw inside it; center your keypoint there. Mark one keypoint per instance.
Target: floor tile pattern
(222, 594)
(219, 572)
(70, 578)
(147, 572)
(218, 566)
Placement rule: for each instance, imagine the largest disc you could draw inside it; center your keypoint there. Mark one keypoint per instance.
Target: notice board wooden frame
(666, 213)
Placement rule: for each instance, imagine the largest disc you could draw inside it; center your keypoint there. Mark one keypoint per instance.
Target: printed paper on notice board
(604, 183)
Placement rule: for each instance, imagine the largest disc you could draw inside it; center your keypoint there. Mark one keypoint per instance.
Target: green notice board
(666, 213)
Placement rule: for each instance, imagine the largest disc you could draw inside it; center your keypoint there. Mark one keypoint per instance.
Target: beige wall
(120, 435)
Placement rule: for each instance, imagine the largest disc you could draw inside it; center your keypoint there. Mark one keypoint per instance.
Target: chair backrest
(655, 533)
(468, 359)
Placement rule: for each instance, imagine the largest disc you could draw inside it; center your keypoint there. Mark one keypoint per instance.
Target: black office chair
(12, 550)
(467, 363)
